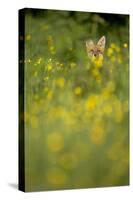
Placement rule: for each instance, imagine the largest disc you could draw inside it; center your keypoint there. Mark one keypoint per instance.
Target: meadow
(76, 109)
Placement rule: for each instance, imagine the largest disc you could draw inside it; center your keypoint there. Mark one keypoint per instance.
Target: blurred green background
(76, 110)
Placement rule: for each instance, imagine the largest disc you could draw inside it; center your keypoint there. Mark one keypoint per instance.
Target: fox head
(96, 50)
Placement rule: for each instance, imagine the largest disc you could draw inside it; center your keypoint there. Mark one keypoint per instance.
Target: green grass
(76, 112)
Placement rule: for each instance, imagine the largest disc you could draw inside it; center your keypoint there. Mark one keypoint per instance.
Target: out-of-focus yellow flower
(98, 62)
(92, 102)
(78, 91)
(49, 60)
(125, 45)
(109, 89)
(110, 52)
(73, 64)
(46, 78)
(55, 141)
(115, 47)
(56, 177)
(39, 61)
(29, 61)
(49, 67)
(60, 82)
(46, 89)
(28, 37)
(61, 64)
(95, 72)
(52, 49)
(68, 160)
(98, 133)
(50, 95)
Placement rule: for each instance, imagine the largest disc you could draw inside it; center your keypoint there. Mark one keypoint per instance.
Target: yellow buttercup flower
(125, 45)
(98, 62)
(49, 67)
(78, 91)
(113, 45)
(110, 52)
(95, 72)
(92, 102)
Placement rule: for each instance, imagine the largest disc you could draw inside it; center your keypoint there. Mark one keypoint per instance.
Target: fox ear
(89, 44)
(101, 43)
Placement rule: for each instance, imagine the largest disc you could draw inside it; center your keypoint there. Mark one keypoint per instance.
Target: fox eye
(99, 51)
(91, 51)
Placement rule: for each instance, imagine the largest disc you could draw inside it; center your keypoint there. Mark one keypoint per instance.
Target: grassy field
(76, 109)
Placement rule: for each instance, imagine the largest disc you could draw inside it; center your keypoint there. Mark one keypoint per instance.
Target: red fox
(96, 50)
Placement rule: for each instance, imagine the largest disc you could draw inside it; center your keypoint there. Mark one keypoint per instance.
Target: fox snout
(95, 54)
